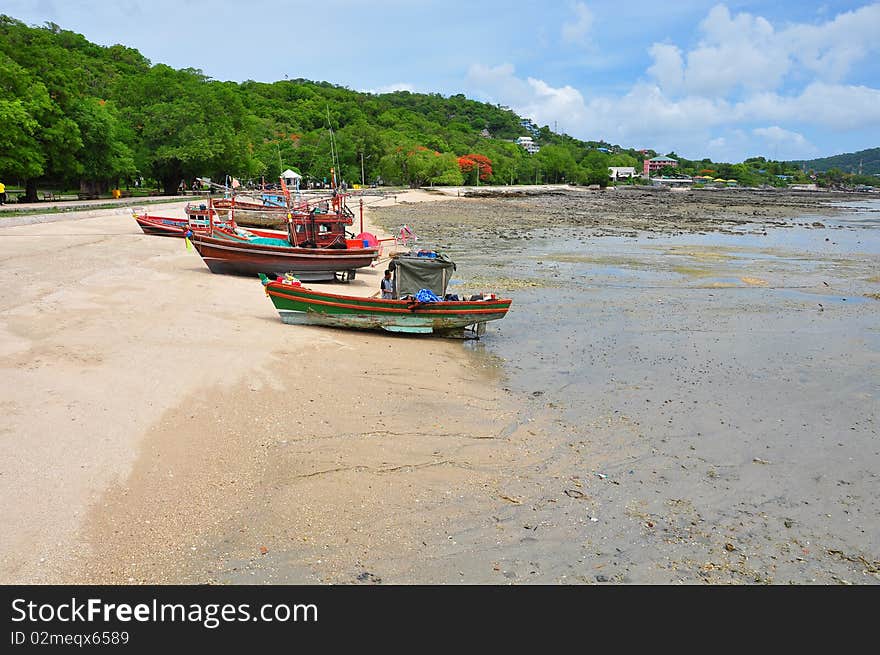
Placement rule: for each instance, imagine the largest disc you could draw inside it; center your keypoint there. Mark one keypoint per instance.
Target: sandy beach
(145, 400)
(160, 424)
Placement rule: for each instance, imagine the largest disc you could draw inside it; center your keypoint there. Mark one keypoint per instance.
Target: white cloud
(793, 144)
(835, 106)
(668, 66)
(578, 29)
(832, 49)
(734, 52)
(564, 105)
(741, 51)
(744, 53)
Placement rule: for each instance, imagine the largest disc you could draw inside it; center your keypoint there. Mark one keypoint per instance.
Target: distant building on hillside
(527, 143)
(621, 172)
(485, 133)
(656, 163)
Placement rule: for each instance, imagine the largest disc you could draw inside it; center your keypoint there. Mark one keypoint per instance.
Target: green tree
(557, 163)
(23, 102)
(104, 157)
(186, 127)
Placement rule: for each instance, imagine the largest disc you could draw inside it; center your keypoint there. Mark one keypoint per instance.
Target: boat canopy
(423, 270)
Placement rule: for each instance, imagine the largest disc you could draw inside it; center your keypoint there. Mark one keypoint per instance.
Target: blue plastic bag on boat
(426, 295)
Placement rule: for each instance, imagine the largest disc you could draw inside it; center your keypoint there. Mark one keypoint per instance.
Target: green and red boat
(448, 315)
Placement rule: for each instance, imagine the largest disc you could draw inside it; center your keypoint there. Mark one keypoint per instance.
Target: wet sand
(678, 424)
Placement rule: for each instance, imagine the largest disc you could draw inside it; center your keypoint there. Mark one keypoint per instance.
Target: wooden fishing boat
(448, 316)
(298, 305)
(242, 252)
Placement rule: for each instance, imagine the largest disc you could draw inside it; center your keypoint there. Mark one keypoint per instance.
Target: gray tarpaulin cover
(412, 273)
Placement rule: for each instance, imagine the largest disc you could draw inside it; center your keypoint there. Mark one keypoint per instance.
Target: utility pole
(362, 168)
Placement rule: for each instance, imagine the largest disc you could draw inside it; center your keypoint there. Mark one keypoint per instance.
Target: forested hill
(75, 114)
(80, 114)
(866, 162)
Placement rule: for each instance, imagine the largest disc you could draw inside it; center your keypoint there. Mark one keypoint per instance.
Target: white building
(621, 172)
(527, 143)
(291, 178)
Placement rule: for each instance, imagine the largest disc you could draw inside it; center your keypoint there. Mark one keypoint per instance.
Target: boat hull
(301, 306)
(242, 258)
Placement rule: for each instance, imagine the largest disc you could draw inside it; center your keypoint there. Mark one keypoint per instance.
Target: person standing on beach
(2, 193)
(387, 286)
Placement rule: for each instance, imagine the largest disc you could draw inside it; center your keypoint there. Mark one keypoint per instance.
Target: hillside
(865, 161)
(84, 115)
(78, 115)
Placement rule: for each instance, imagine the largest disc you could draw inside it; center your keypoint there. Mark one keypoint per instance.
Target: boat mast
(334, 154)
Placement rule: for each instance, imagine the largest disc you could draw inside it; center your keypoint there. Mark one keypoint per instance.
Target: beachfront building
(656, 163)
(621, 172)
(527, 143)
(291, 178)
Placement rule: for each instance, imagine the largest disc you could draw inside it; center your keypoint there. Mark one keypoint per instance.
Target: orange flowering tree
(483, 164)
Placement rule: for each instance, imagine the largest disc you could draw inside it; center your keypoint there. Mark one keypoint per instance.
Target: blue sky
(727, 80)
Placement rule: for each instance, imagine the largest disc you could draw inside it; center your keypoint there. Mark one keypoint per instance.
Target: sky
(725, 80)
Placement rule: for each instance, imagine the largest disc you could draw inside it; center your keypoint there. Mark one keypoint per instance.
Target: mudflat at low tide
(700, 388)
